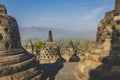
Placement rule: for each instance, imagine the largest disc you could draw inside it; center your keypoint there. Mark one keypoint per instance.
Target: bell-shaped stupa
(30, 47)
(50, 52)
(70, 53)
(102, 62)
(15, 62)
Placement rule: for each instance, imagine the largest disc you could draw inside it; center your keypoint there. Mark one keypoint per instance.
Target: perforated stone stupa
(15, 62)
(30, 47)
(103, 60)
(50, 53)
(70, 53)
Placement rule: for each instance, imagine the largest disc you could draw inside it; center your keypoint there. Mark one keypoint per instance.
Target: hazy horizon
(70, 15)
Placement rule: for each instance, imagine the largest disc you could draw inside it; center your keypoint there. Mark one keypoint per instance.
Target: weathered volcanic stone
(30, 47)
(117, 6)
(50, 52)
(15, 62)
(50, 37)
(102, 62)
(70, 53)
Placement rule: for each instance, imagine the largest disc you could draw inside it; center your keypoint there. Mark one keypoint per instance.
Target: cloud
(88, 21)
(85, 23)
(81, 19)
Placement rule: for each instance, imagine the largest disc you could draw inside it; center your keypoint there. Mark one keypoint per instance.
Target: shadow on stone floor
(109, 70)
(51, 70)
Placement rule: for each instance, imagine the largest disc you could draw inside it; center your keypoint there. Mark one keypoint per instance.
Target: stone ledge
(6, 70)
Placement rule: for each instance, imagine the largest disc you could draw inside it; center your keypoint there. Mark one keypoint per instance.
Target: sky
(73, 15)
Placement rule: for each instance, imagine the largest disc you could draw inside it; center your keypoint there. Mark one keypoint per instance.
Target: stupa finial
(3, 10)
(117, 5)
(50, 38)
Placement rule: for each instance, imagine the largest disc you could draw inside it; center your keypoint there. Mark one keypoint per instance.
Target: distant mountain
(42, 33)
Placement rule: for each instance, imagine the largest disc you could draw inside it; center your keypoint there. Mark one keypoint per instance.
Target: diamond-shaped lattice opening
(48, 57)
(6, 30)
(48, 51)
(118, 22)
(108, 22)
(108, 34)
(1, 37)
(0, 21)
(52, 57)
(113, 27)
(116, 14)
(100, 34)
(7, 45)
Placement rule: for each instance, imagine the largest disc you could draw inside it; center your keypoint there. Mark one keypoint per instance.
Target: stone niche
(102, 62)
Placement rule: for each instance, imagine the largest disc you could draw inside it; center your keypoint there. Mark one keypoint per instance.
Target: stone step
(14, 59)
(12, 52)
(31, 73)
(6, 70)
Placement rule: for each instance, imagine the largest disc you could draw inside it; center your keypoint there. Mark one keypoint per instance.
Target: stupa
(30, 47)
(15, 62)
(102, 62)
(70, 53)
(50, 52)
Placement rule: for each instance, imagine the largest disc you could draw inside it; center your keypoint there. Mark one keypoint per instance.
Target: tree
(38, 45)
